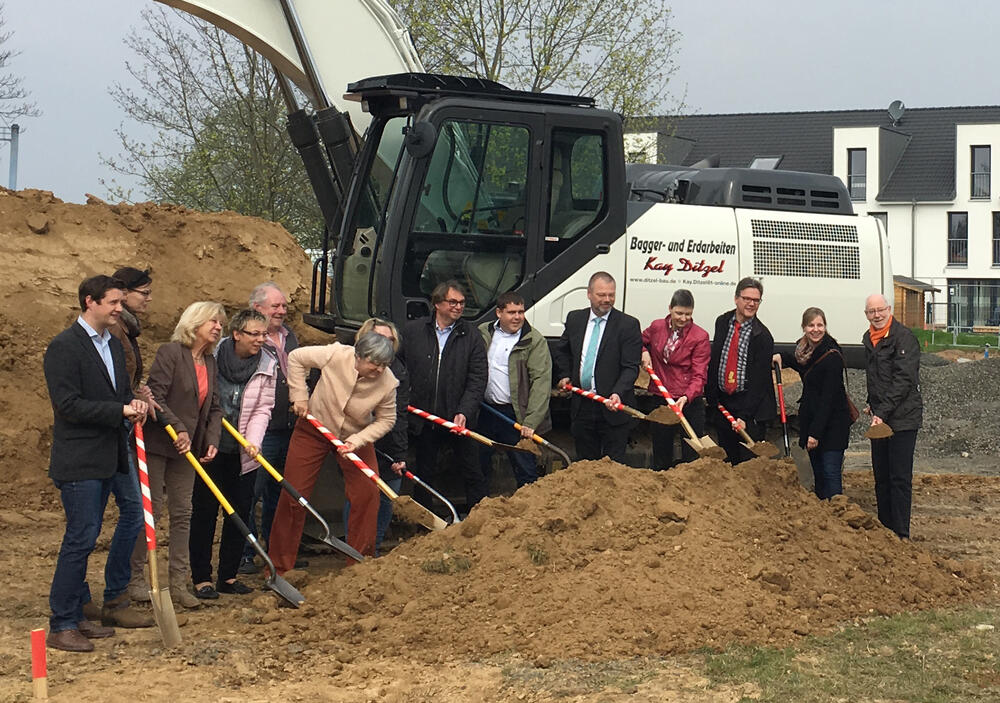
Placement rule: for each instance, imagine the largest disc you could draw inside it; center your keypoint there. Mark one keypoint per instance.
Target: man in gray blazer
(91, 401)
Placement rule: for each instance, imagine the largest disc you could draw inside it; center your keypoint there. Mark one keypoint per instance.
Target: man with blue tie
(599, 350)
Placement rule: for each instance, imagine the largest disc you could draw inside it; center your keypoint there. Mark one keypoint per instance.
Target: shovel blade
(664, 416)
(763, 449)
(165, 617)
(342, 547)
(285, 590)
(412, 511)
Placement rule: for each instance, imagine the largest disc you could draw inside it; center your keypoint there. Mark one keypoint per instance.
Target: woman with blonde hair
(184, 385)
(824, 418)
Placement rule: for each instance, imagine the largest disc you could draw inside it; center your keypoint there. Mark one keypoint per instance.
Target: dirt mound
(49, 246)
(601, 561)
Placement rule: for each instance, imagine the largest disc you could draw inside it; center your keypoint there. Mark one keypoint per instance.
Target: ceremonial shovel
(652, 417)
(704, 444)
(163, 607)
(762, 448)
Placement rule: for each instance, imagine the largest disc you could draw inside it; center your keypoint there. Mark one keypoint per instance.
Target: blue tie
(590, 358)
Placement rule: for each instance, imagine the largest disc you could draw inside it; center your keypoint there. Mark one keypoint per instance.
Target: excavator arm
(319, 45)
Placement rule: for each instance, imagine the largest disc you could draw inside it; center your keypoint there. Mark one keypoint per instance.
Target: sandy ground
(592, 585)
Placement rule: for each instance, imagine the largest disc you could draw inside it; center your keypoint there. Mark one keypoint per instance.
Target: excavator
(425, 177)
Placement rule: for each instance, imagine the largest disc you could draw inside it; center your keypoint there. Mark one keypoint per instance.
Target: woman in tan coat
(183, 382)
(355, 399)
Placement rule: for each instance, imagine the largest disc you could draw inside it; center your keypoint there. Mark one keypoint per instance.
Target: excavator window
(471, 217)
(578, 189)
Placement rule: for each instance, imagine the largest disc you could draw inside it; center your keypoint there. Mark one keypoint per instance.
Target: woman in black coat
(824, 419)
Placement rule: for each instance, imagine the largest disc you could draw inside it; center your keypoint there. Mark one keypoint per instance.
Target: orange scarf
(877, 335)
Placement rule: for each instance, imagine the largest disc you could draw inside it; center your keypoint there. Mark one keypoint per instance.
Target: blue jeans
(118, 569)
(827, 467)
(83, 502)
(525, 465)
(266, 489)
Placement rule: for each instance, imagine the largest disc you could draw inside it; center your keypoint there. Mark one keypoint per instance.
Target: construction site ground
(598, 583)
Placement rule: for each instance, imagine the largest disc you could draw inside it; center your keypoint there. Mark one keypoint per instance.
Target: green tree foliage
(618, 51)
(217, 120)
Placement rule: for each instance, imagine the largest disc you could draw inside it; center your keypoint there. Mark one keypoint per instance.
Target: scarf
(130, 322)
(233, 368)
(804, 350)
(877, 335)
(672, 343)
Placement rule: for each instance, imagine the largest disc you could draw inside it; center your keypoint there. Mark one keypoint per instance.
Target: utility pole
(12, 134)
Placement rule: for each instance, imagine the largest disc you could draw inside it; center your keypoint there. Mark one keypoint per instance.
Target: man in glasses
(892, 360)
(446, 361)
(739, 371)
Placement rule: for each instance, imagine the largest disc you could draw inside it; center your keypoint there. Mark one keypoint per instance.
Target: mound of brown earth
(47, 247)
(601, 561)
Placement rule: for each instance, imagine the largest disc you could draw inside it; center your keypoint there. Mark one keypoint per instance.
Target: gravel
(961, 406)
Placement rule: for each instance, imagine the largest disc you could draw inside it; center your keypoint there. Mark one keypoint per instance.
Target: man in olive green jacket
(520, 379)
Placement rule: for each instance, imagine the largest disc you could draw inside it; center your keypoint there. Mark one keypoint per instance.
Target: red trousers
(306, 451)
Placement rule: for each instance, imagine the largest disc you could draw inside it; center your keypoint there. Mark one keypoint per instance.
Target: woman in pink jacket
(679, 351)
(246, 379)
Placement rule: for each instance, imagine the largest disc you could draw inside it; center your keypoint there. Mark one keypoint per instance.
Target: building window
(857, 173)
(882, 217)
(958, 238)
(996, 238)
(766, 162)
(980, 172)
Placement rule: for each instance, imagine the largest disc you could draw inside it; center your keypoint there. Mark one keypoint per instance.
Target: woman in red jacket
(679, 351)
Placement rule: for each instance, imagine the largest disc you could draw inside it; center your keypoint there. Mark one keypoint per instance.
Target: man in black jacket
(892, 360)
(446, 361)
(739, 371)
(91, 398)
(599, 351)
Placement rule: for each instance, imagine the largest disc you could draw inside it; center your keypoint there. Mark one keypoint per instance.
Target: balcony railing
(981, 185)
(856, 186)
(958, 252)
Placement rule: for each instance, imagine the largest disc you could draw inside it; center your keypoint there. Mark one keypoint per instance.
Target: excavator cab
(468, 180)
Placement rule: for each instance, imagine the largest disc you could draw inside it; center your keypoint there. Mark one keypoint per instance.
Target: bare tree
(619, 51)
(217, 116)
(14, 101)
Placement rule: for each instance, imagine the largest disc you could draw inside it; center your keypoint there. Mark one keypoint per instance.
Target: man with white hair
(892, 356)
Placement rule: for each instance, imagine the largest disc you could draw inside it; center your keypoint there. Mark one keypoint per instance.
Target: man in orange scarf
(892, 359)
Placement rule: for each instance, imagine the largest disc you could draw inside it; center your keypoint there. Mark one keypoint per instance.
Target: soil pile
(48, 246)
(601, 561)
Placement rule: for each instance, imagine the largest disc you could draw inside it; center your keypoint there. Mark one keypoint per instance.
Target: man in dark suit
(445, 358)
(739, 371)
(599, 350)
(91, 398)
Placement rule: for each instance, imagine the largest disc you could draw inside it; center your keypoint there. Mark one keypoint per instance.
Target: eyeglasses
(749, 301)
(255, 335)
(455, 303)
(876, 311)
(145, 293)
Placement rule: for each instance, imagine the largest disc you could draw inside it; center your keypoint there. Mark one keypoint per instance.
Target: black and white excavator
(425, 177)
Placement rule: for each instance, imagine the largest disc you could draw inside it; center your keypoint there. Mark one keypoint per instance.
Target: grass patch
(944, 340)
(931, 657)
(447, 564)
(538, 555)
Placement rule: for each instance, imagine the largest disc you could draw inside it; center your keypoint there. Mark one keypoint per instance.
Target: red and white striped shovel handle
(457, 429)
(664, 392)
(732, 420)
(355, 459)
(590, 394)
(147, 498)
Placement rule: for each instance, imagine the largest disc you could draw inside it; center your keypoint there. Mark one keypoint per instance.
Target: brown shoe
(181, 596)
(93, 631)
(119, 612)
(69, 641)
(91, 611)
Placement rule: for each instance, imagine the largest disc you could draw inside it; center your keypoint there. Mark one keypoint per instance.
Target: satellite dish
(896, 110)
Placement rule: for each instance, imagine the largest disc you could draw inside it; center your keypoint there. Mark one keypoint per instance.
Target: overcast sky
(734, 56)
